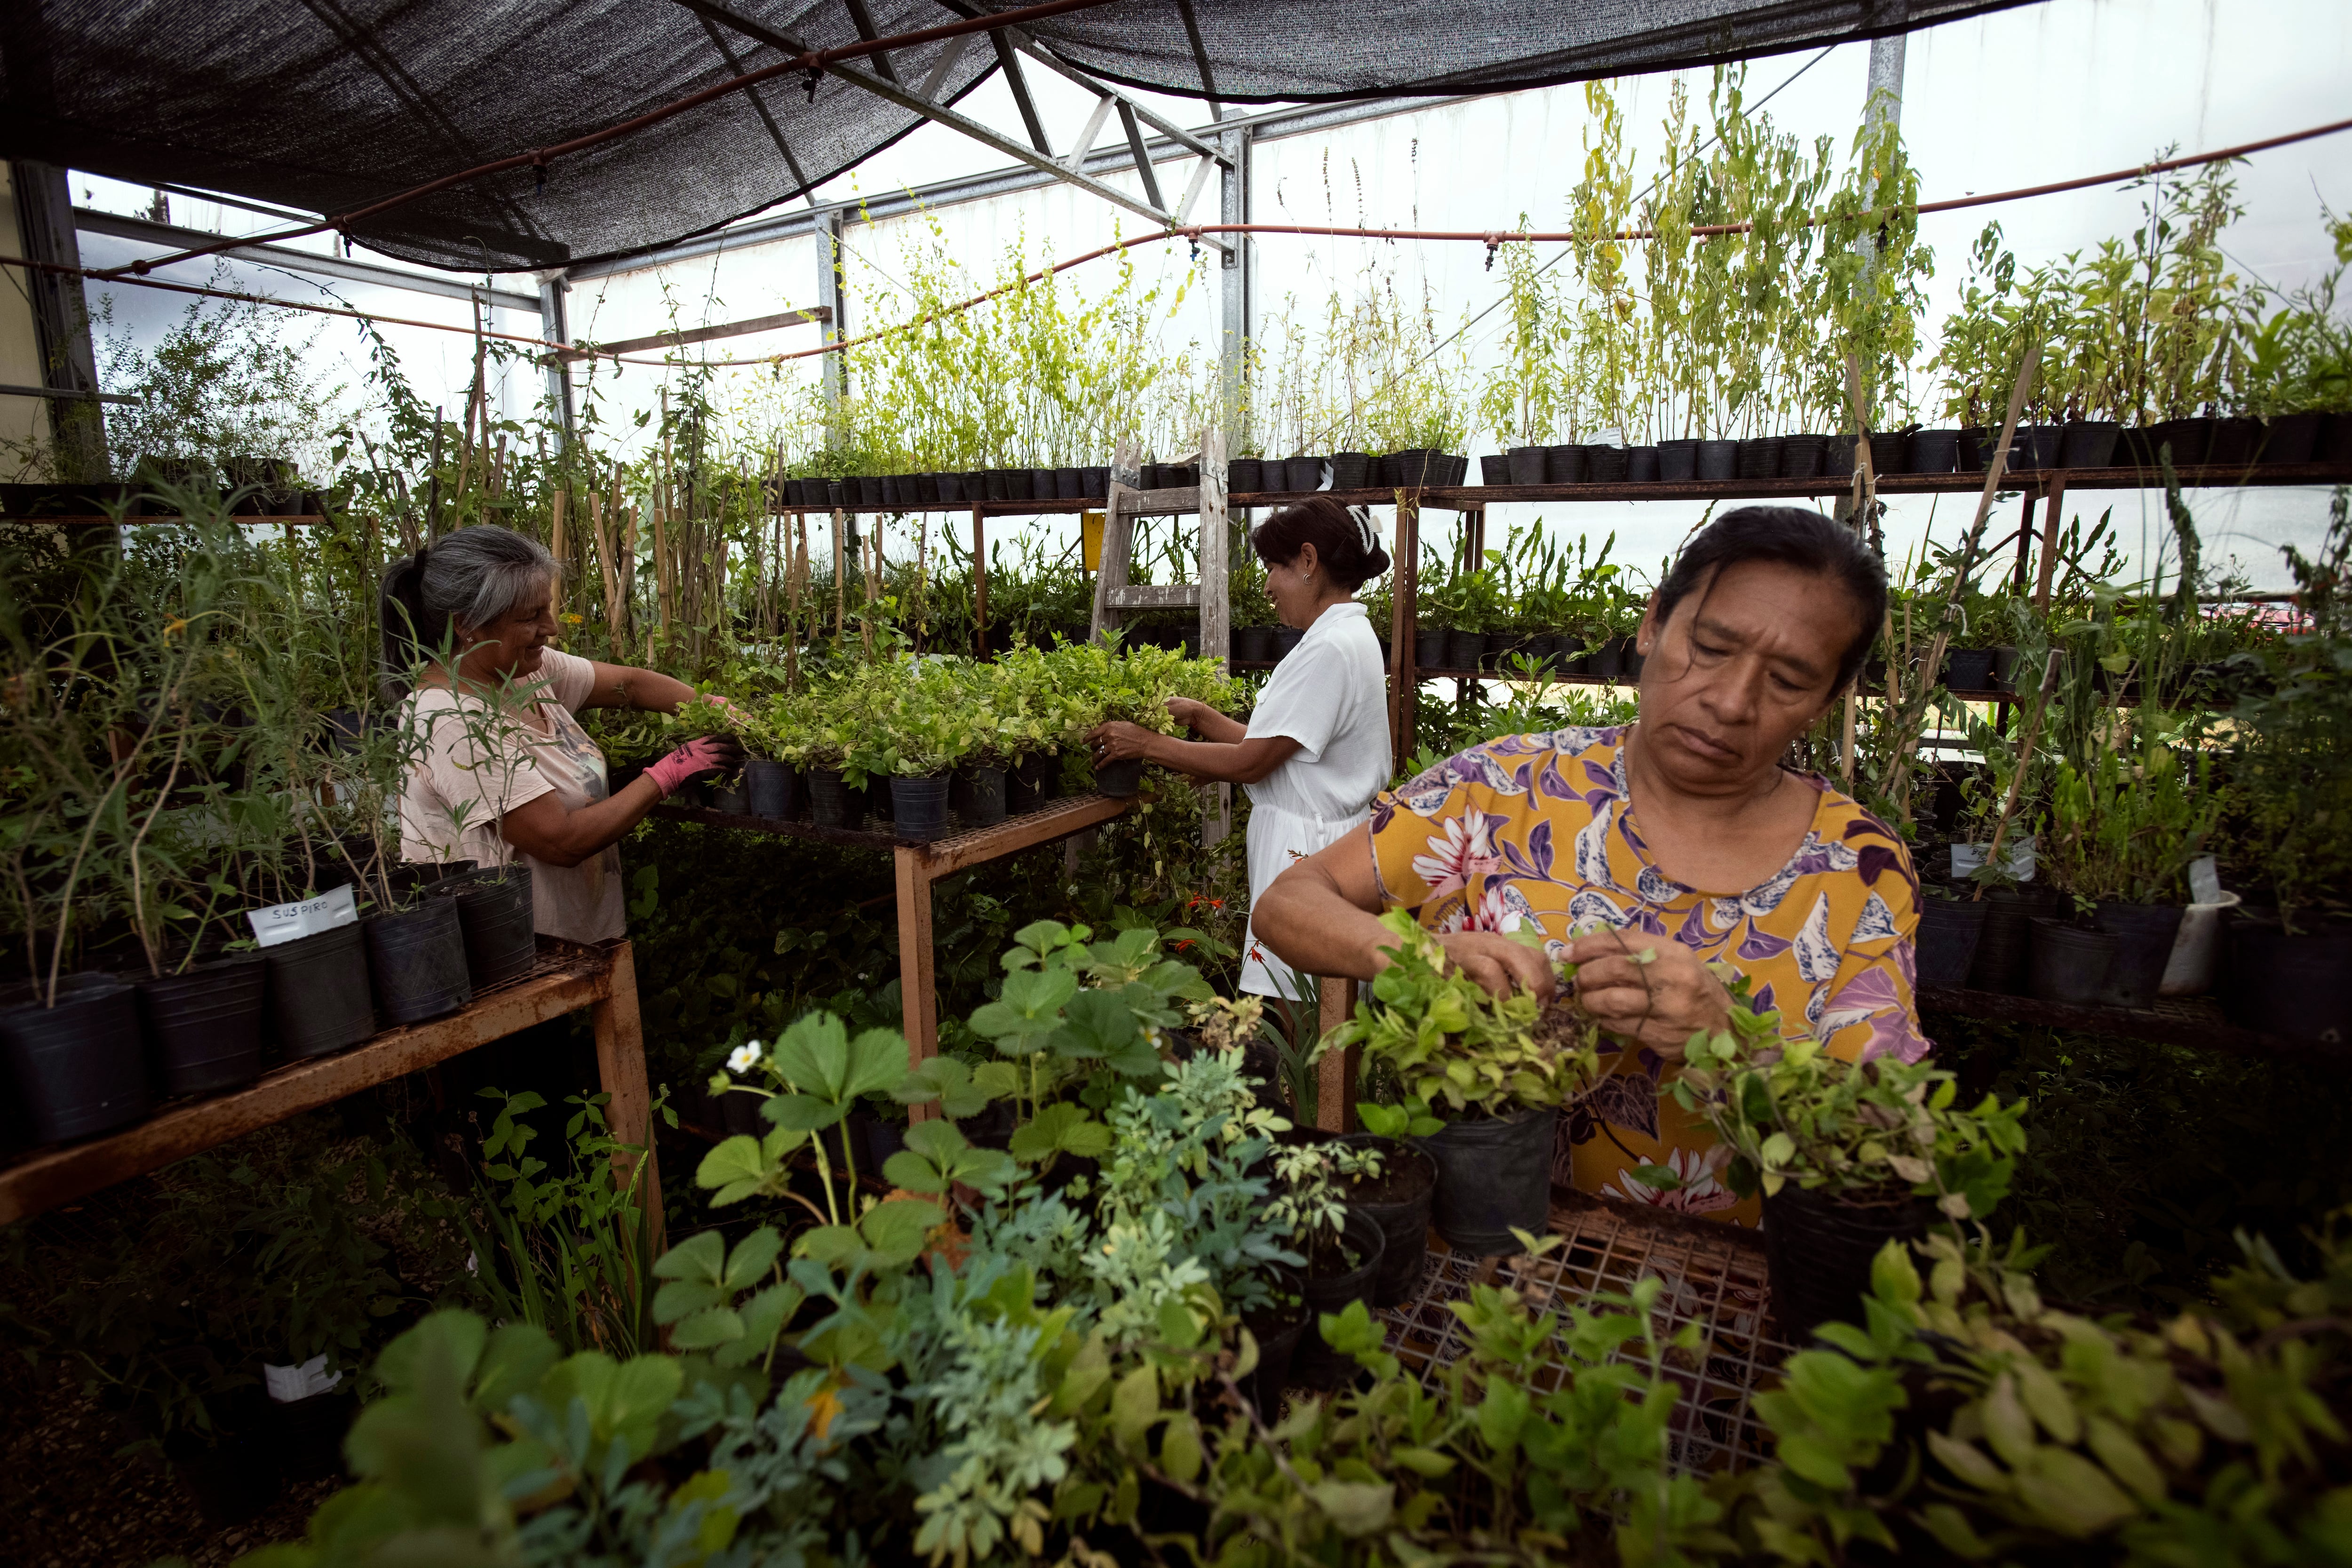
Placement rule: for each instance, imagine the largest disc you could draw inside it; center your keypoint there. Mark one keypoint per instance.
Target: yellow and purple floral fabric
(1539, 830)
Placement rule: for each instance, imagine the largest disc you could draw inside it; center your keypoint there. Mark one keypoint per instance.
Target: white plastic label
(287, 1383)
(2204, 881)
(308, 917)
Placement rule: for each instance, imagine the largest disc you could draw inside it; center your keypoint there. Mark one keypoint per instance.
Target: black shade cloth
(328, 105)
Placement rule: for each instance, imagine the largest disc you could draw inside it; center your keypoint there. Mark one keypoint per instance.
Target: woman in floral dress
(1682, 828)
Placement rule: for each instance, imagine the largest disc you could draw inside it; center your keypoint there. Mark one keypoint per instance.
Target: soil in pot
(495, 920)
(1948, 932)
(77, 1068)
(1818, 1250)
(769, 787)
(828, 798)
(1317, 1364)
(319, 994)
(2002, 949)
(204, 1025)
(2068, 964)
(417, 959)
(2295, 987)
(1492, 1173)
(1398, 1201)
(2144, 935)
(977, 795)
(919, 807)
(1119, 780)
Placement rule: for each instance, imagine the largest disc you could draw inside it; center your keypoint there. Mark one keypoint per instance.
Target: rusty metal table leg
(1335, 1074)
(916, 984)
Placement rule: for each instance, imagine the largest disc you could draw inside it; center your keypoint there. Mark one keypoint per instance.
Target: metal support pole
(833, 294)
(556, 326)
(45, 226)
(1236, 273)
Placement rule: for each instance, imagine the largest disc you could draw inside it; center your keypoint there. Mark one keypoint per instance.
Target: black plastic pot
(2088, 443)
(1640, 465)
(233, 1479)
(1718, 459)
(319, 994)
(951, 488)
(1352, 470)
(2008, 935)
(1243, 477)
(2191, 441)
(1563, 465)
(1677, 461)
(1409, 1183)
(1253, 645)
(1759, 457)
(1043, 484)
(2294, 987)
(1837, 456)
(2144, 934)
(1801, 455)
(1492, 1173)
(495, 919)
(2068, 964)
(1030, 782)
(1277, 1331)
(307, 1434)
(768, 787)
(1317, 1363)
(829, 798)
(1819, 1250)
(1629, 658)
(919, 807)
(417, 959)
(1608, 660)
(1286, 638)
(1605, 465)
(75, 1068)
(1429, 647)
(2041, 444)
(1890, 452)
(1493, 470)
(1933, 452)
(204, 1025)
(1302, 474)
(1097, 483)
(1969, 669)
(1069, 484)
(978, 794)
(1464, 650)
(2289, 438)
(1527, 464)
(1119, 780)
(1949, 930)
(2235, 442)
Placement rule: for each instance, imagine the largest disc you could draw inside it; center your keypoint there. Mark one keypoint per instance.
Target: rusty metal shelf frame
(1714, 1275)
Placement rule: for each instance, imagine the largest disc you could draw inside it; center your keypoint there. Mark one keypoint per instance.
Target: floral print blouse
(1539, 830)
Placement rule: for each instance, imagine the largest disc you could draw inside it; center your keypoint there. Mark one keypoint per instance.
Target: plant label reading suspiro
(305, 917)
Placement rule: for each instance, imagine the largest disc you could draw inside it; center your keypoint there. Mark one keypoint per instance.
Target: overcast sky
(2023, 95)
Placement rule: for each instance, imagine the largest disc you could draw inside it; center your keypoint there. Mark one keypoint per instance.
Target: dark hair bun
(1345, 538)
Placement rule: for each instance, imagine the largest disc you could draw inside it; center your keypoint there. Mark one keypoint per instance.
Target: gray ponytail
(468, 579)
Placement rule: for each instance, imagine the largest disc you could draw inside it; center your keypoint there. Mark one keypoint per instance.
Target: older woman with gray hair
(503, 771)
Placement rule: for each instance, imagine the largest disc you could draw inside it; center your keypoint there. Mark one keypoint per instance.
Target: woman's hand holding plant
(1501, 963)
(1191, 713)
(1118, 740)
(710, 752)
(1649, 990)
(735, 714)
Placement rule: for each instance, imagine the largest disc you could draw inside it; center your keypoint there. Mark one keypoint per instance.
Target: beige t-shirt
(476, 762)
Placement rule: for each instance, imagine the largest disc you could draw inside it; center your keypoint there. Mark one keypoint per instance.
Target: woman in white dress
(1316, 749)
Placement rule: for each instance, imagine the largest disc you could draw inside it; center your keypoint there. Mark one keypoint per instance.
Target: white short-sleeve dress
(1331, 695)
(477, 763)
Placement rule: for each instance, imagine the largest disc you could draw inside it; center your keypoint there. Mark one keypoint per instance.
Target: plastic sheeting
(328, 105)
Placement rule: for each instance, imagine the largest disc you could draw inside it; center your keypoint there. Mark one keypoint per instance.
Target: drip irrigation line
(1486, 237)
(812, 61)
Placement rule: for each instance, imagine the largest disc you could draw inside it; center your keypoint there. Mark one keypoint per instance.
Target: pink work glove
(710, 754)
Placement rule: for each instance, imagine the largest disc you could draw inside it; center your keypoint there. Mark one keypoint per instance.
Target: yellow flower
(571, 619)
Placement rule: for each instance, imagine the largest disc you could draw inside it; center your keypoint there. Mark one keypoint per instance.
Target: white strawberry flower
(743, 1057)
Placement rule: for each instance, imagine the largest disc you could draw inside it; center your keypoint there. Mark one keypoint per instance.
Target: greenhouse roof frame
(539, 135)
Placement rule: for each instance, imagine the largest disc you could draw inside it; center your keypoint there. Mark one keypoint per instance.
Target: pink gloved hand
(712, 753)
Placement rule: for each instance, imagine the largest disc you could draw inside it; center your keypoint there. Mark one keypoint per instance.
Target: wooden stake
(2024, 763)
(840, 582)
(629, 633)
(979, 585)
(616, 604)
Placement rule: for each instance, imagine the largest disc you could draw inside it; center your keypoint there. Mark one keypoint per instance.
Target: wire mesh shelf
(1713, 1276)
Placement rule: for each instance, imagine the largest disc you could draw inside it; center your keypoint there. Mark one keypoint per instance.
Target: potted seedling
(1848, 1155)
(1493, 1071)
(1342, 1247)
(2122, 831)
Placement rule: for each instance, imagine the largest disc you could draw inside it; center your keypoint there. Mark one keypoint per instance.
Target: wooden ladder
(1118, 595)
